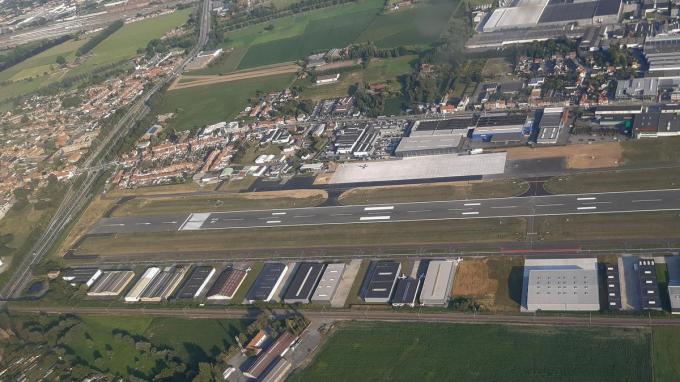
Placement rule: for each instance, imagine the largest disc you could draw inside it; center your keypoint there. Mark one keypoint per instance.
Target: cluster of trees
(22, 52)
(369, 103)
(163, 46)
(295, 107)
(101, 36)
(367, 50)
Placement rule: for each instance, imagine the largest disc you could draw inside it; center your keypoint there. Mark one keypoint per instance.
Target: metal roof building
(613, 287)
(438, 283)
(263, 361)
(673, 264)
(162, 286)
(144, 281)
(267, 282)
(196, 282)
(429, 145)
(560, 285)
(380, 280)
(406, 291)
(304, 281)
(550, 126)
(648, 284)
(111, 283)
(328, 284)
(226, 285)
(78, 276)
(278, 371)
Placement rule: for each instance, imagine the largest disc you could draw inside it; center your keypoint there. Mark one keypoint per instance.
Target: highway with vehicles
(547, 205)
(365, 313)
(80, 192)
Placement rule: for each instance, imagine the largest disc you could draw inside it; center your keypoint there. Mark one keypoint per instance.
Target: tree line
(24, 52)
(101, 36)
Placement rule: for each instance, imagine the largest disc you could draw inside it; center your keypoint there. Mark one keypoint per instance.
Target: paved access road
(573, 204)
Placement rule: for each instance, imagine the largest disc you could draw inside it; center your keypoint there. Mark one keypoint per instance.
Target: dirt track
(192, 81)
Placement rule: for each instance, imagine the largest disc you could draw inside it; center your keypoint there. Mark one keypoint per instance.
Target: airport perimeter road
(550, 205)
(365, 315)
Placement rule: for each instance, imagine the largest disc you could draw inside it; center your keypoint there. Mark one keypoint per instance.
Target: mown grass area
(294, 37)
(218, 203)
(201, 105)
(644, 152)
(124, 43)
(378, 70)
(620, 226)
(441, 352)
(434, 192)
(290, 238)
(37, 65)
(95, 338)
(618, 180)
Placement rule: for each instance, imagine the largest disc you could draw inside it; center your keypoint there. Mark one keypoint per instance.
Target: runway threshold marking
(364, 218)
(587, 208)
(380, 208)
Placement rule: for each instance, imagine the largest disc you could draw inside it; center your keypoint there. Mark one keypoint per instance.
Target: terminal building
(304, 281)
(267, 282)
(438, 283)
(328, 284)
(560, 285)
(379, 281)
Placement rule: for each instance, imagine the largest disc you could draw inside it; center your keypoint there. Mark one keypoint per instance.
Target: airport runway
(572, 204)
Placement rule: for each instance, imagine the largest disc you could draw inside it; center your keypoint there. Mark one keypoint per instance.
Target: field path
(185, 81)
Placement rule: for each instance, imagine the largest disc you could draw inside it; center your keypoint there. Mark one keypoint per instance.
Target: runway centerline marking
(143, 223)
(587, 208)
(341, 214)
(550, 205)
(237, 219)
(505, 207)
(364, 218)
(472, 204)
(379, 208)
(419, 211)
(273, 221)
(304, 216)
(278, 213)
(646, 200)
(169, 222)
(470, 213)
(587, 198)
(589, 203)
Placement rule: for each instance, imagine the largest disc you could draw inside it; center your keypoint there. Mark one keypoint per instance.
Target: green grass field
(125, 42)
(434, 192)
(643, 152)
(197, 106)
(291, 238)
(43, 62)
(441, 352)
(378, 70)
(193, 346)
(666, 354)
(214, 203)
(294, 37)
(624, 180)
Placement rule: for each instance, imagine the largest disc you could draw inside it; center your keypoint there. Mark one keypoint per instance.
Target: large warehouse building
(438, 283)
(227, 283)
(111, 283)
(560, 285)
(267, 282)
(301, 287)
(328, 284)
(197, 281)
(379, 281)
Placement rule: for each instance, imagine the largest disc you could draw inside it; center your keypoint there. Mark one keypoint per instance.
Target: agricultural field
(218, 102)
(294, 37)
(389, 351)
(378, 70)
(666, 354)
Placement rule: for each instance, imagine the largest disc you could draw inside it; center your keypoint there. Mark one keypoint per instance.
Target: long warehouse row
(292, 283)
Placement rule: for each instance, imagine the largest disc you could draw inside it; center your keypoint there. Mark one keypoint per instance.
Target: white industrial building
(560, 285)
(328, 284)
(438, 282)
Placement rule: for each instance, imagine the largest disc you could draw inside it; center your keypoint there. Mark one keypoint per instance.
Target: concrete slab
(340, 297)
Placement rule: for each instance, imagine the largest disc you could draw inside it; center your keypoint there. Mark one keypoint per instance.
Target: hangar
(302, 285)
(267, 282)
(438, 283)
(328, 284)
(560, 285)
(227, 283)
(111, 283)
(673, 264)
(406, 292)
(379, 281)
(196, 282)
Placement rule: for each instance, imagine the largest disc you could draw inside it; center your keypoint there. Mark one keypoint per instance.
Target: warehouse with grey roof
(328, 284)
(560, 285)
(438, 283)
(111, 283)
(196, 282)
(379, 281)
(267, 282)
(304, 281)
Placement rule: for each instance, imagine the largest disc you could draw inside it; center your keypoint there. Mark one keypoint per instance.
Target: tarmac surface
(542, 205)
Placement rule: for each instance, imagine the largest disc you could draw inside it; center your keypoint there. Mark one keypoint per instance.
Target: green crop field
(441, 352)
(293, 37)
(125, 42)
(200, 105)
(90, 340)
(378, 70)
(666, 354)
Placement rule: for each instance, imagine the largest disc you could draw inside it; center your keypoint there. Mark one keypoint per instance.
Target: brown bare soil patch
(597, 155)
(472, 279)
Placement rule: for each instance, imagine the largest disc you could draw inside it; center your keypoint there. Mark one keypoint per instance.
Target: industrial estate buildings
(560, 284)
